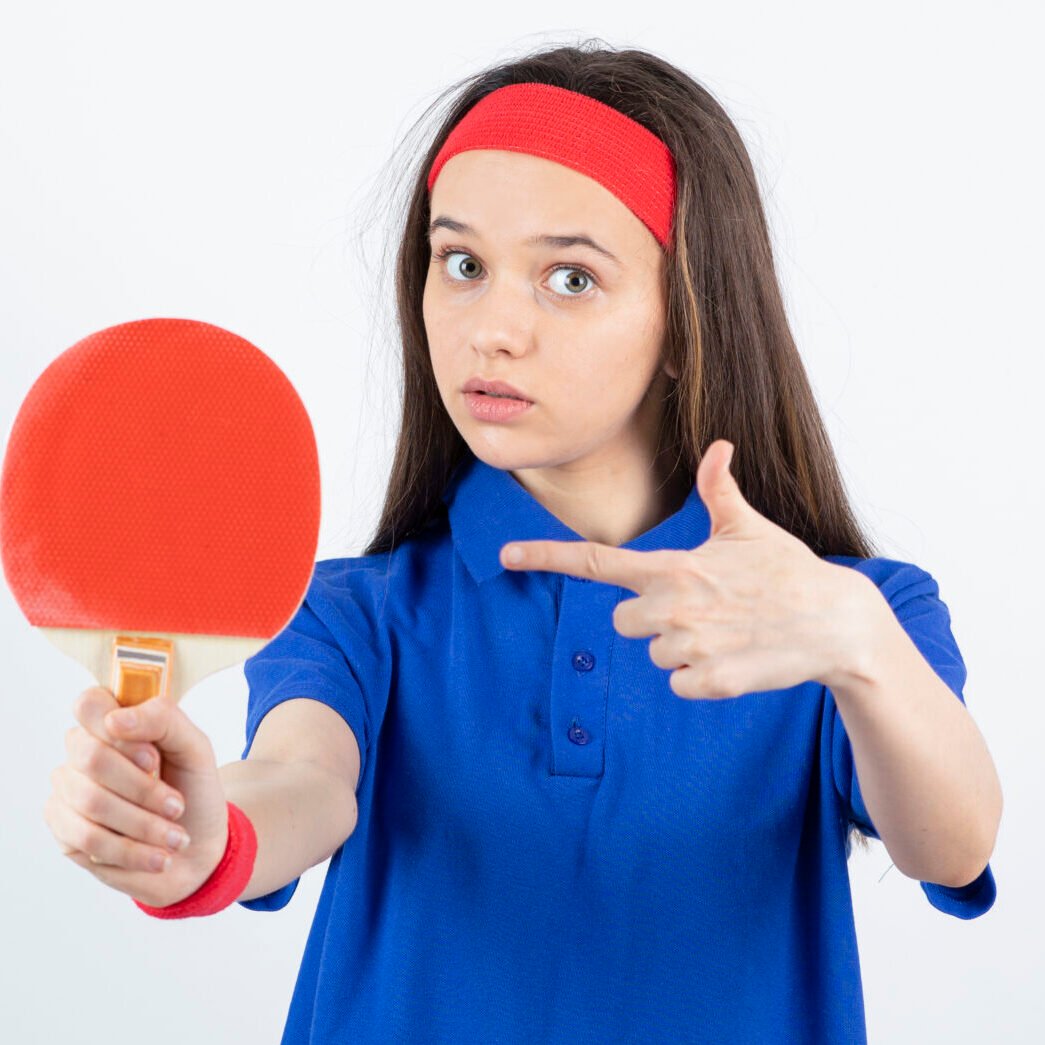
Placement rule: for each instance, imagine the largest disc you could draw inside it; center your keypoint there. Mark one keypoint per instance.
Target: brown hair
(740, 375)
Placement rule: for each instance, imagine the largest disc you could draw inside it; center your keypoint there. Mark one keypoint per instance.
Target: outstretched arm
(926, 776)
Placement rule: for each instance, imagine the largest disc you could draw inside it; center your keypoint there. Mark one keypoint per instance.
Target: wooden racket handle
(141, 670)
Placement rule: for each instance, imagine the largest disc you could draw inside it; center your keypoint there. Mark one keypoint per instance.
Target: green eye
(470, 267)
(574, 273)
(451, 253)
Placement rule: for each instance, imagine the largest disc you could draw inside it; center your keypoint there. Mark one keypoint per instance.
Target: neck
(611, 505)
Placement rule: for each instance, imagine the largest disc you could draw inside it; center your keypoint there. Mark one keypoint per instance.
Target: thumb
(719, 491)
(162, 722)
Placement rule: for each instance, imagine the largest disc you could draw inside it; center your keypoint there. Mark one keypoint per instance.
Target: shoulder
(899, 582)
(342, 590)
(347, 577)
(371, 588)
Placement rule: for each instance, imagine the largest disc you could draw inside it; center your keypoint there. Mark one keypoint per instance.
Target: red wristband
(228, 879)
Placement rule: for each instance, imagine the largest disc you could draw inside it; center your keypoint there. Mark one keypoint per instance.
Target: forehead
(514, 195)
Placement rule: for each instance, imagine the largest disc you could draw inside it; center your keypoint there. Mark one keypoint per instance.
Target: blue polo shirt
(552, 846)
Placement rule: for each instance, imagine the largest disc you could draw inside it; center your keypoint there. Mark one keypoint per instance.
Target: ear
(671, 371)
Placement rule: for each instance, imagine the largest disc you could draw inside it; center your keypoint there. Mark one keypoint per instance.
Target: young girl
(604, 793)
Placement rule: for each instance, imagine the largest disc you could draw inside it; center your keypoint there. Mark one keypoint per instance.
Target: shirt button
(583, 660)
(578, 734)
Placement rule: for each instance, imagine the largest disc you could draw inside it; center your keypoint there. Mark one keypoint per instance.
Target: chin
(505, 459)
(508, 458)
(515, 459)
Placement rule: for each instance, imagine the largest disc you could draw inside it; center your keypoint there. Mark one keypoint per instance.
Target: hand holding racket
(111, 816)
(159, 513)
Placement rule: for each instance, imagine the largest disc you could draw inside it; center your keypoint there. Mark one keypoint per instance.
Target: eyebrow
(577, 240)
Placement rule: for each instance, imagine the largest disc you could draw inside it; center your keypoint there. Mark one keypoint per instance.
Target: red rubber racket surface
(162, 476)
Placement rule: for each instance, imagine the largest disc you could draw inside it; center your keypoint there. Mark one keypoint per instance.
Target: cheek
(433, 299)
(435, 332)
(427, 307)
(614, 359)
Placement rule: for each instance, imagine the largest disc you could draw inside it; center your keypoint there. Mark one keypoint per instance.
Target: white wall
(215, 160)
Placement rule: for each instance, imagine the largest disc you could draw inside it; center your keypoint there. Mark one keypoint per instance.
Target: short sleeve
(326, 652)
(914, 597)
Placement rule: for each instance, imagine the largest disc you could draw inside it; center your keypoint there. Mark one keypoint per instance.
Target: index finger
(591, 560)
(90, 709)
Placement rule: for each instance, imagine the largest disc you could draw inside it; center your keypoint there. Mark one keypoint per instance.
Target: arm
(299, 813)
(925, 773)
(298, 788)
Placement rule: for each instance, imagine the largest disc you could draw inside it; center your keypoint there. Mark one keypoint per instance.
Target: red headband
(579, 132)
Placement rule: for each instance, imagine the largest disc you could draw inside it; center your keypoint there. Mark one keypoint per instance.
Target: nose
(502, 319)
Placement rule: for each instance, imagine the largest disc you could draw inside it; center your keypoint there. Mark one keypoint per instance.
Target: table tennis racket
(159, 504)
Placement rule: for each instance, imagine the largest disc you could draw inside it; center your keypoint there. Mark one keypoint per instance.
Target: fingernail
(513, 554)
(144, 759)
(173, 808)
(126, 718)
(177, 839)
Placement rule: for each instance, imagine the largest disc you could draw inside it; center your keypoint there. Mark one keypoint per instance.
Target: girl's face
(578, 332)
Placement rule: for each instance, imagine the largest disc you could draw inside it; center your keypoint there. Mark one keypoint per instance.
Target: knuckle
(688, 567)
(657, 652)
(593, 561)
(92, 802)
(135, 855)
(658, 613)
(140, 751)
(716, 681)
(87, 838)
(674, 615)
(684, 587)
(92, 698)
(156, 831)
(154, 794)
(82, 704)
(92, 755)
(696, 648)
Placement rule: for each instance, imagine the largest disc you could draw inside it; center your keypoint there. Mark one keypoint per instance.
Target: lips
(501, 388)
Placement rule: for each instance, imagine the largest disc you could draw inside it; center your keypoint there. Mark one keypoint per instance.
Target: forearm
(300, 815)
(926, 775)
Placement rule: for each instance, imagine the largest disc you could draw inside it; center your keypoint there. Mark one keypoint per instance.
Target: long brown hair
(727, 335)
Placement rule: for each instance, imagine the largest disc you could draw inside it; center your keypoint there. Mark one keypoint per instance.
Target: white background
(226, 162)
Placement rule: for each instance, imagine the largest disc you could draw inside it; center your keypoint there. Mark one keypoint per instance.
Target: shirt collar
(488, 507)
